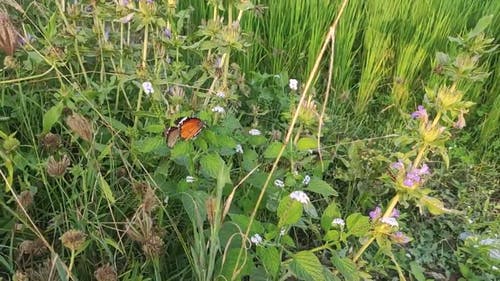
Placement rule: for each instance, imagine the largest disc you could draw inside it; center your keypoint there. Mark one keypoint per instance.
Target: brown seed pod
(8, 35)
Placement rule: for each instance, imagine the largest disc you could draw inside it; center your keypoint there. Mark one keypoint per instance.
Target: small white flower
(283, 231)
(408, 255)
(307, 180)
(293, 84)
(166, 200)
(190, 179)
(254, 132)
(220, 95)
(256, 239)
(239, 149)
(494, 267)
(147, 87)
(338, 221)
(218, 109)
(300, 196)
(279, 183)
(390, 221)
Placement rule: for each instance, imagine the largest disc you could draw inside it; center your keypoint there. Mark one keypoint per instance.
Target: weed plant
(284, 180)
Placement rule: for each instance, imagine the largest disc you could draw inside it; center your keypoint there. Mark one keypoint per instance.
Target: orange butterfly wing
(190, 127)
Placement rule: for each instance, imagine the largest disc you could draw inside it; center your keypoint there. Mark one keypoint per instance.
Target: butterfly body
(187, 128)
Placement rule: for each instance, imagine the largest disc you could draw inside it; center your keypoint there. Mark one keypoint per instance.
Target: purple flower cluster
(414, 177)
(421, 113)
(377, 213)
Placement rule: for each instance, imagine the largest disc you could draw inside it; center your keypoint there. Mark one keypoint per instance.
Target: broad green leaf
(321, 187)
(155, 128)
(332, 235)
(310, 210)
(194, 204)
(306, 143)
(249, 159)
(211, 164)
(289, 211)
(434, 205)
(417, 271)
(271, 260)
(273, 150)
(306, 266)
(257, 140)
(357, 224)
(481, 25)
(331, 212)
(115, 124)
(346, 267)
(106, 190)
(230, 266)
(147, 145)
(180, 153)
(51, 116)
(242, 221)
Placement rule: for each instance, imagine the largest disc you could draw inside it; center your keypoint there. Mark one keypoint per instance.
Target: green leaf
(257, 140)
(321, 187)
(417, 271)
(194, 204)
(242, 221)
(434, 205)
(181, 153)
(51, 116)
(271, 260)
(154, 128)
(358, 225)
(306, 266)
(230, 266)
(211, 164)
(115, 124)
(273, 150)
(307, 143)
(332, 235)
(148, 145)
(289, 211)
(331, 212)
(481, 25)
(346, 267)
(106, 190)
(249, 159)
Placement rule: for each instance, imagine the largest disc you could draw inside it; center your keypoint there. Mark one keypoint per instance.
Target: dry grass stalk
(8, 35)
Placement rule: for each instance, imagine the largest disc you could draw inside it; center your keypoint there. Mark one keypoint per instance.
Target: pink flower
(376, 213)
(421, 113)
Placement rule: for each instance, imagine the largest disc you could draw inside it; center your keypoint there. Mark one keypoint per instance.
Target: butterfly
(187, 128)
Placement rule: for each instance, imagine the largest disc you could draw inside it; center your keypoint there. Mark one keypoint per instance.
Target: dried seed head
(32, 247)
(51, 141)
(140, 188)
(43, 272)
(149, 200)
(8, 35)
(73, 239)
(57, 168)
(80, 125)
(25, 199)
(153, 246)
(106, 273)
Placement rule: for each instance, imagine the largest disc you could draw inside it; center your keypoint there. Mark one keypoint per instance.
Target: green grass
(129, 193)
